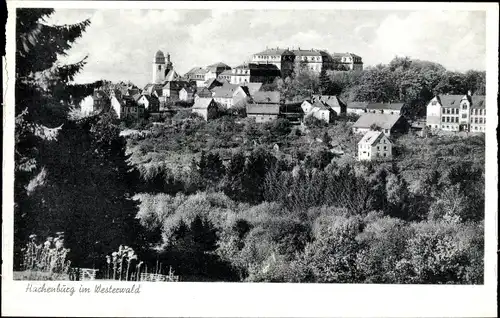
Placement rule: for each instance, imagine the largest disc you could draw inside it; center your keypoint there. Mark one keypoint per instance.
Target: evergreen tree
(43, 97)
(70, 175)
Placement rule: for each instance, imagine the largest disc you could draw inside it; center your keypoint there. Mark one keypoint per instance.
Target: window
(378, 147)
(480, 120)
(464, 115)
(384, 154)
(444, 110)
(385, 147)
(484, 120)
(442, 119)
(464, 106)
(475, 120)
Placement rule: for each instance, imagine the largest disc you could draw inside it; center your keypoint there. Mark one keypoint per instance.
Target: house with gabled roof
(151, 103)
(385, 108)
(318, 109)
(262, 113)
(332, 101)
(389, 124)
(267, 97)
(356, 107)
(223, 95)
(186, 94)
(241, 93)
(205, 107)
(374, 145)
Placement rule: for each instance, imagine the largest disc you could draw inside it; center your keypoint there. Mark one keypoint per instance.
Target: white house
(187, 94)
(205, 107)
(318, 110)
(87, 105)
(374, 145)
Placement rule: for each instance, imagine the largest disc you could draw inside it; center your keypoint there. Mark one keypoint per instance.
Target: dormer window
(464, 106)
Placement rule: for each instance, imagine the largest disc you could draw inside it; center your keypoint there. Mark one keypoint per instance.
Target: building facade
(374, 145)
(387, 123)
(347, 62)
(254, 73)
(263, 113)
(385, 108)
(205, 107)
(457, 113)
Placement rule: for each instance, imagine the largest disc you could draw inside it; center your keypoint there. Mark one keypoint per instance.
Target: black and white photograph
(246, 145)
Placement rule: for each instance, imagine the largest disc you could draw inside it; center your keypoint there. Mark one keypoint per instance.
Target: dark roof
(159, 57)
(266, 97)
(453, 101)
(291, 108)
(218, 65)
(319, 104)
(196, 70)
(137, 96)
(371, 137)
(189, 89)
(255, 66)
(357, 105)
(204, 92)
(246, 90)
(311, 52)
(478, 101)
(272, 51)
(150, 98)
(339, 55)
(330, 100)
(391, 106)
(253, 87)
(226, 72)
(269, 109)
(450, 100)
(385, 121)
(224, 91)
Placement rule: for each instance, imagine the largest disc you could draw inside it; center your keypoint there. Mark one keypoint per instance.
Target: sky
(121, 44)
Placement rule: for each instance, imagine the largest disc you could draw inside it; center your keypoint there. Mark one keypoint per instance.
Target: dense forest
(233, 200)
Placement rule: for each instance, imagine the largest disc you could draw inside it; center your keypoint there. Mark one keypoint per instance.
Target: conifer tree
(47, 188)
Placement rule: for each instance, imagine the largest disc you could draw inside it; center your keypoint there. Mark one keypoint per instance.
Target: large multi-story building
(347, 62)
(254, 73)
(316, 60)
(282, 58)
(457, 113)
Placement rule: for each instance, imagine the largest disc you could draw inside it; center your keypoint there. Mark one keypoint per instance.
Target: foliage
(44, 96)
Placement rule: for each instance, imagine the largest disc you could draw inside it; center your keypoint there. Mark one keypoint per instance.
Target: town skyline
(203, 37)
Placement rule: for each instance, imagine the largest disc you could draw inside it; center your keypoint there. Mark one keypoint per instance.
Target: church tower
(159, 67)
(168, 66)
